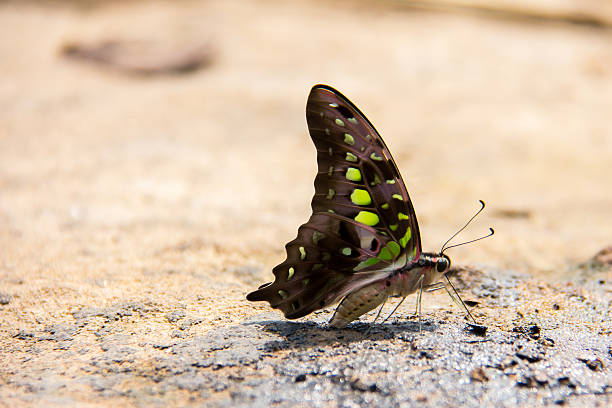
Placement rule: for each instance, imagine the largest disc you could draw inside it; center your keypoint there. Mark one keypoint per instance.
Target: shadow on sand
(310, 334)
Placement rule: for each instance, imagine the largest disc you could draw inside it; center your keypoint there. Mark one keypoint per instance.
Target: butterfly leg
(393, 311)
(435, 286)
(379, 310)
(418, 304)
(459, 297)
(377, 316)
(453, 298)
(456, 299)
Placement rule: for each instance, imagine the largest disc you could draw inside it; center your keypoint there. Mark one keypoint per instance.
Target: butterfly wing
(363, 225)
(352, 157)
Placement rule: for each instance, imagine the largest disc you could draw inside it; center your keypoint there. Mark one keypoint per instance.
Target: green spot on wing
(390, 181)
(367, 218)
(394, 247)
(317, 236)
(352, 120)
(282, 294)
(351, 157)
(393, 227)
(385, 206)
(353, 174)
(291, 272)
(373, 156)
(361, 197)
(346, 251)
(302, 253)
(348, 139)
(404, 240)
(330, 194)
(368, 262)
(330, 172)
(339, 122)
(398, 197)
(402, 216)
(385, 254)
(376, 180)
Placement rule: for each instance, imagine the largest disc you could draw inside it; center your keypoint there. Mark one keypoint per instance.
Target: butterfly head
(437, 263)
(443, 263)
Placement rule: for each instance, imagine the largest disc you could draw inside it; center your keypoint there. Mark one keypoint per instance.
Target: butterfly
(361, 244)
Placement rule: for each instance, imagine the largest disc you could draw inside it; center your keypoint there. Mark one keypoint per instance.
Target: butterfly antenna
(491, 232)
(482, 206)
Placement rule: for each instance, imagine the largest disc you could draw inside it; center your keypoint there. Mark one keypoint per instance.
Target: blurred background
(161, 148)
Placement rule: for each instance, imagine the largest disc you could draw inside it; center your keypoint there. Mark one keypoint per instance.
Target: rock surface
(137, 212)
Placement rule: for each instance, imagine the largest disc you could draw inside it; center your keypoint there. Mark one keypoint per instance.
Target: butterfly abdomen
(358, 303)
(402, 283)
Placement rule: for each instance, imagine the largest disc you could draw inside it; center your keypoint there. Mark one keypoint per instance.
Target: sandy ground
(137, 197)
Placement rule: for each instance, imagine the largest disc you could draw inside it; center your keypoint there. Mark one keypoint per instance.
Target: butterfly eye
(442, 264)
